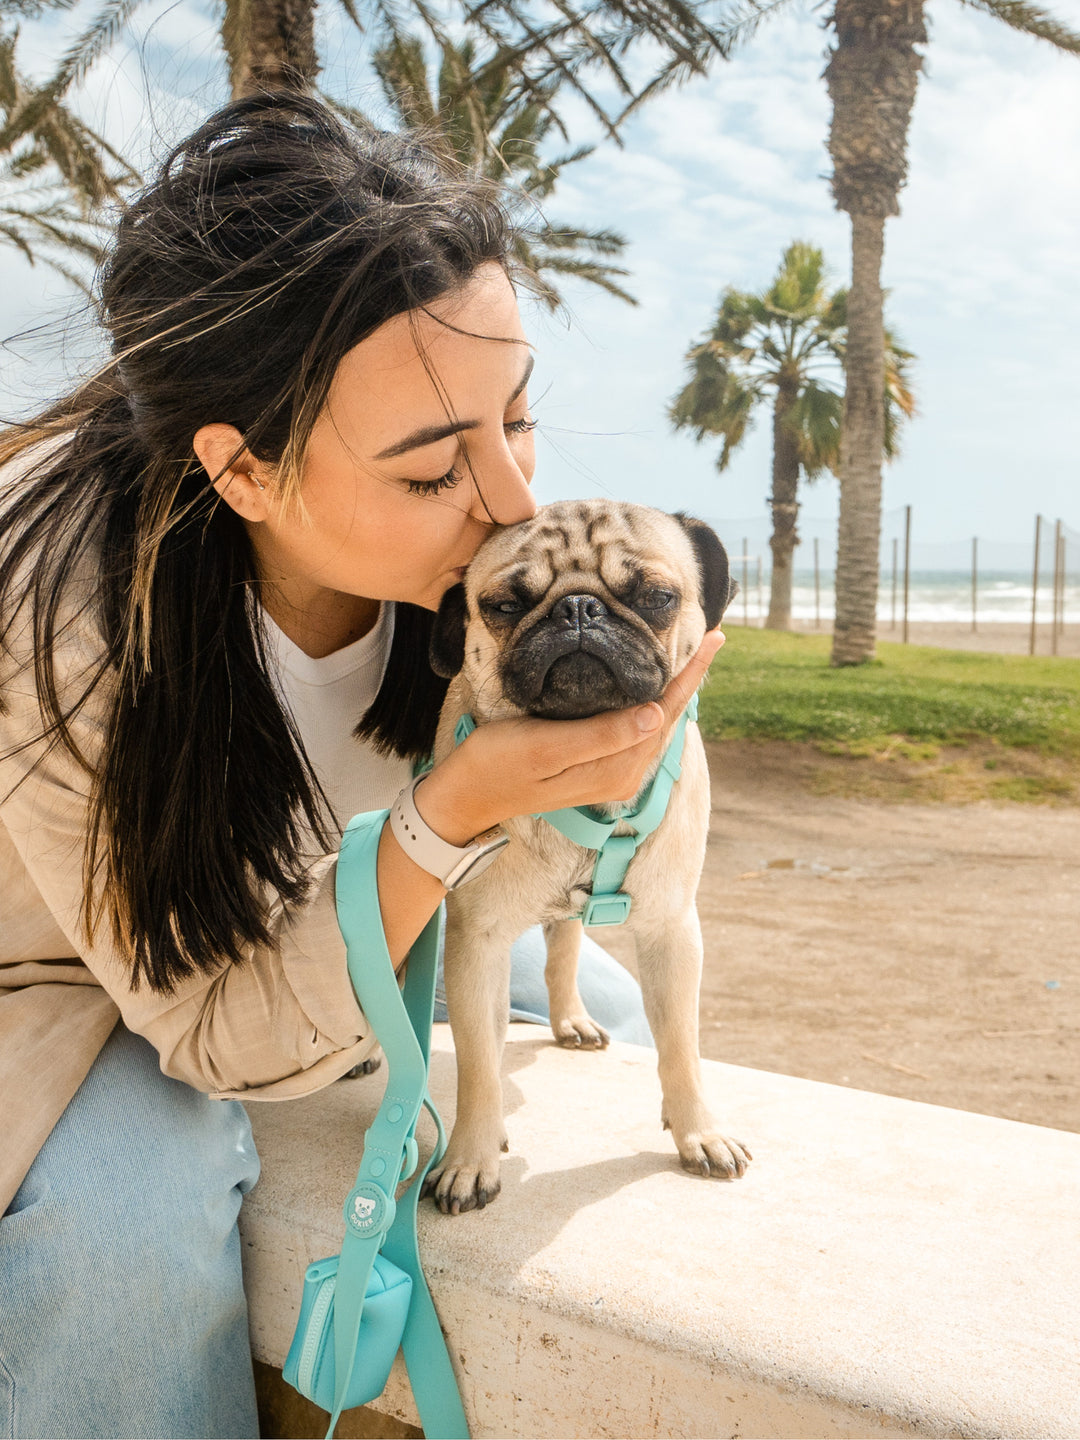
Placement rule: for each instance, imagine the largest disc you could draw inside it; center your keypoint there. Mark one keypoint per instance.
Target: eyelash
(453, 477)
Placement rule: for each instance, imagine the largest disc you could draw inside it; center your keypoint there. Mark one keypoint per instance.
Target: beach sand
(1002, 639)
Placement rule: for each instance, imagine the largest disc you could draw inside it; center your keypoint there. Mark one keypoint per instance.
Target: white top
(327, 698)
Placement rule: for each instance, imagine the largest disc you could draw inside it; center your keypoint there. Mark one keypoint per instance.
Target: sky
(712, 182)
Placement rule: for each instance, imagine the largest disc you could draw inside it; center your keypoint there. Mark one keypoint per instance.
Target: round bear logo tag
(366, 1210)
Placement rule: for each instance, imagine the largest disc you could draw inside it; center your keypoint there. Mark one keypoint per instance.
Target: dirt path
(926, 951)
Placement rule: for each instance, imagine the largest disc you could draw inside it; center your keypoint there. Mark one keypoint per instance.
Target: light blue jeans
(122, 1310)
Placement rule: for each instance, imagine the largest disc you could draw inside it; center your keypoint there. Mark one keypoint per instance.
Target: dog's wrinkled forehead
(572, 539)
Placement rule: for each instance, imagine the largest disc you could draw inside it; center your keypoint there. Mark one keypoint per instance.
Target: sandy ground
(1005, 639)
(928, 951)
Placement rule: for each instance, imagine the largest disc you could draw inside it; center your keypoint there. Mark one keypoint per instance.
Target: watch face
(477, 861)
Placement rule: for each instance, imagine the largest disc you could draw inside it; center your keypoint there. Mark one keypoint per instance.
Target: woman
(214, 556)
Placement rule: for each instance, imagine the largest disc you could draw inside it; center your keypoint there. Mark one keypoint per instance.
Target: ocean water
(941, 595)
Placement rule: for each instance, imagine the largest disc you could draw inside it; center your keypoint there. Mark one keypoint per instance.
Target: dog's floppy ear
(717, 587)
(446, 652)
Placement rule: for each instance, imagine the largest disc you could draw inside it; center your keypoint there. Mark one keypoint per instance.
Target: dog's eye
(655, 600)
(504, 607)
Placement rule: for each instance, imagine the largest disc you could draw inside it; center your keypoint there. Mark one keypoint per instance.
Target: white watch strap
(433, 854)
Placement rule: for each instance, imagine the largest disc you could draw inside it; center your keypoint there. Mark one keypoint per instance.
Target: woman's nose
(504, 499)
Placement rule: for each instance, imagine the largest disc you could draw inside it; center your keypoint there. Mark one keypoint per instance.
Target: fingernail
(648, 718)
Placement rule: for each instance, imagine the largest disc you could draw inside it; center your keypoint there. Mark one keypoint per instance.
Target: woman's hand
(525, 766)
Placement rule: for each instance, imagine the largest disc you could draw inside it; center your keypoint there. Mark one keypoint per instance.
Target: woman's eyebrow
(428, 434)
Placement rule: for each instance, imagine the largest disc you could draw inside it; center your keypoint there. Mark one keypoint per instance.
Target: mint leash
(402, 1020)
(373, 1221)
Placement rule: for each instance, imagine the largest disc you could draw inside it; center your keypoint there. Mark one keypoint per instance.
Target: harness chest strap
(608, 904)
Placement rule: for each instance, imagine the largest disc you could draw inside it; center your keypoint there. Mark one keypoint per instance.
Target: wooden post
(907, 567)
(745, 582)
(974, 584)
(1057, 586)
(1064, 578)
(817, 587)
(895, 549)
(760, 601)
(1035, 584)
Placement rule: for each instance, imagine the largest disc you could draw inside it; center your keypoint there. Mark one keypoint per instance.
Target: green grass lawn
(774, 686)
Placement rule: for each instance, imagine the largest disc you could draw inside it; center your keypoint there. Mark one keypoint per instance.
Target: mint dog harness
(608, 904)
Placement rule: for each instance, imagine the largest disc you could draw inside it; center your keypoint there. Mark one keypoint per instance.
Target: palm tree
(872, 76)
(788, 341)
(482, 118)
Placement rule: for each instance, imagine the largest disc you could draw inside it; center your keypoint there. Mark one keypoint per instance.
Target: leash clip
(607, 909)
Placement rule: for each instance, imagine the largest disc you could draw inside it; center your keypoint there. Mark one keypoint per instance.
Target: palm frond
(32, 9)
(401, 67)
(814, 421)
(1030, 20)
(899, 399)
(599, 275)
(718, 400)
(569, 237)
(103, 30)
(674, 73)
(796, 288)
(353, 14)
(46, 225)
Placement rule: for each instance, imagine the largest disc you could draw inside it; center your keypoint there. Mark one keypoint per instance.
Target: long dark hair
(275, 239)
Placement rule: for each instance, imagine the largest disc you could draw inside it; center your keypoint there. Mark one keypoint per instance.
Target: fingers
(564, 744)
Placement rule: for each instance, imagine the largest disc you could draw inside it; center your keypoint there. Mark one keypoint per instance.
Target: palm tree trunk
(862, 440)
(872, 76)
(270, 45)
(785, 512)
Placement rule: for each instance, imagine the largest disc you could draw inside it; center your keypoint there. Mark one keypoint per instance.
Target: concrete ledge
(884, 1268)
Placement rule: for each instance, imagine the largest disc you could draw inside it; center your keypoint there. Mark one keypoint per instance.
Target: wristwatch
(453, 865)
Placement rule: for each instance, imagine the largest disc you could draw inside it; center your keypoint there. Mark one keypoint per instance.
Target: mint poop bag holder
(360, 1306)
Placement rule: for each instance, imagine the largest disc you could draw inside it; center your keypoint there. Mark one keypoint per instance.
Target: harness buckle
(606, 909)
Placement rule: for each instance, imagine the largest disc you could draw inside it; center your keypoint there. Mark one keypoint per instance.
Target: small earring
(258, 482)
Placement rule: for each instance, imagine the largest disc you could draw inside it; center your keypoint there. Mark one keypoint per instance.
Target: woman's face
(420, 421)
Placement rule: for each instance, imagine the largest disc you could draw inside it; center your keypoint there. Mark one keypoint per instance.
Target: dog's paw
(579, 1032)
(715, 1156)
(366, 1067)
(461, 1184)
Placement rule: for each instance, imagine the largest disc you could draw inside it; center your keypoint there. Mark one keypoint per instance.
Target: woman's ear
(240, 479)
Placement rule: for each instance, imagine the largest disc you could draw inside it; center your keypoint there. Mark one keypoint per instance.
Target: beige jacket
(281, 1025)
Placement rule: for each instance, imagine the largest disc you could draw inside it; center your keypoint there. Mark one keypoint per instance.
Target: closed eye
(454, 477)
(432, 487)
(656, 600)
(504, 605)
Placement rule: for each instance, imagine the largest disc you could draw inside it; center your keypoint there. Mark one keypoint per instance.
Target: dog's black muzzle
(582, 659)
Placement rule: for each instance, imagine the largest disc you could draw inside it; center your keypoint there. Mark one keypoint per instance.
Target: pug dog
(590, 606)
